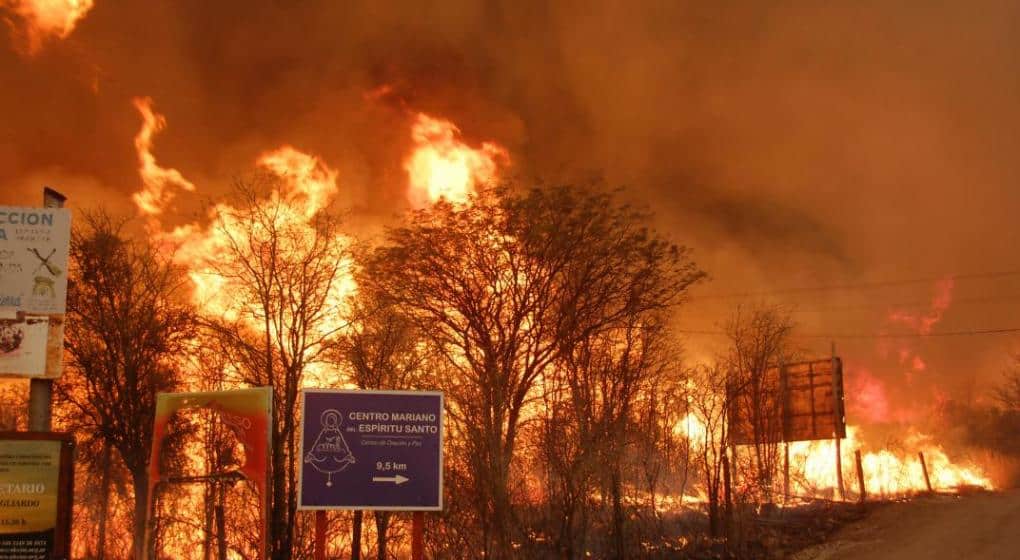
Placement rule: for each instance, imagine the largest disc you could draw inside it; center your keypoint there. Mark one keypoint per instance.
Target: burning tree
(1008, 392)
(126, 326)
(759, 340)
(605, 377)
(279, 269)
(381, 350)
(705, 426)
(505, 286)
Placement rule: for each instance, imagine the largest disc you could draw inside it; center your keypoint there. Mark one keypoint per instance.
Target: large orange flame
(47, 18)
(888, 472)
(303, 187)
(892, 471)
(158, 182)
(307, 185)
(441, 166)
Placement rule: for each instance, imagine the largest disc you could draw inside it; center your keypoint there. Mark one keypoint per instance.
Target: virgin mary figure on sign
(330, 454)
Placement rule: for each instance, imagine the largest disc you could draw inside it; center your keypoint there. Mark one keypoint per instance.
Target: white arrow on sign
(394, 479)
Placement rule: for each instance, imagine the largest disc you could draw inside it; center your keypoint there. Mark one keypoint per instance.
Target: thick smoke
(790, 144)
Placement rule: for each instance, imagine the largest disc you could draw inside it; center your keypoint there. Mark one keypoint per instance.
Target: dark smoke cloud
(793, 143)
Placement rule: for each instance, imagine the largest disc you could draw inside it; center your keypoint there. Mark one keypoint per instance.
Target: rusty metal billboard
(793, 402)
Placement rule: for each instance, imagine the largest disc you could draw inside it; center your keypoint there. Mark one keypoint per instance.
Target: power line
(975, 332)
(858, 286)
(903, 304)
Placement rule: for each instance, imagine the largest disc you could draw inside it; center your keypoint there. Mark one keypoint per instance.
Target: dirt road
(974, 527)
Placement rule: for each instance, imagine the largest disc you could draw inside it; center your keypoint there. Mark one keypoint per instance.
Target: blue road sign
(371, 450)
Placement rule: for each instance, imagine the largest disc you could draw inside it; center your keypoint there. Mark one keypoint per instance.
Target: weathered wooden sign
(793, 402)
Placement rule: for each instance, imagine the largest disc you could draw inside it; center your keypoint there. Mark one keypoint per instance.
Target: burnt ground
(976, 526)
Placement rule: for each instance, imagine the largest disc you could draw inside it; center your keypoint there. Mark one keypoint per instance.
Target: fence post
(924, 469)
(320, 535)
(860, 477)
(836, 422)
(418, 536)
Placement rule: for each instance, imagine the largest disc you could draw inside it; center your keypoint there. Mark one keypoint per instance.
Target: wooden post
(221, 520)
(320, 535)
(151, 521)
(734, 465)
(836, 422)
(784, 399)
(727, 513)
(356, 535)
(924, 469)
(418, 536)
(786, 472)
(860, 477)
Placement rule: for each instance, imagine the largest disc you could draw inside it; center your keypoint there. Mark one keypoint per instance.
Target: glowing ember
(158, 182)
(442, 166)
(47, 18)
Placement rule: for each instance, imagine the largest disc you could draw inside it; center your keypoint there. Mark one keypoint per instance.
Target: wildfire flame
(43, 19)
(923, 323)
(158, 182)
(887, 472)
(441, 166)
(307, 185)
(871, 402)
(303, 187)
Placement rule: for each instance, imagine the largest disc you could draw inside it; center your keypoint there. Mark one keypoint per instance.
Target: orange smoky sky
(790, 144)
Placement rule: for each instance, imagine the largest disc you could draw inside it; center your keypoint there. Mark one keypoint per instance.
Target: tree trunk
(290, 476)
(727, 469)
(582, 531)
(356, 535)
(498, 486)
(567, 532)
(278, 519)
(382, 524)
(140, 479)
(713, 513)
(104, 502)
(616, 490)
(221, 523)
(209, 503)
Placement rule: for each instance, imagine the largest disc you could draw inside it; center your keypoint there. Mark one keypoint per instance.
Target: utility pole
(40, 391)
